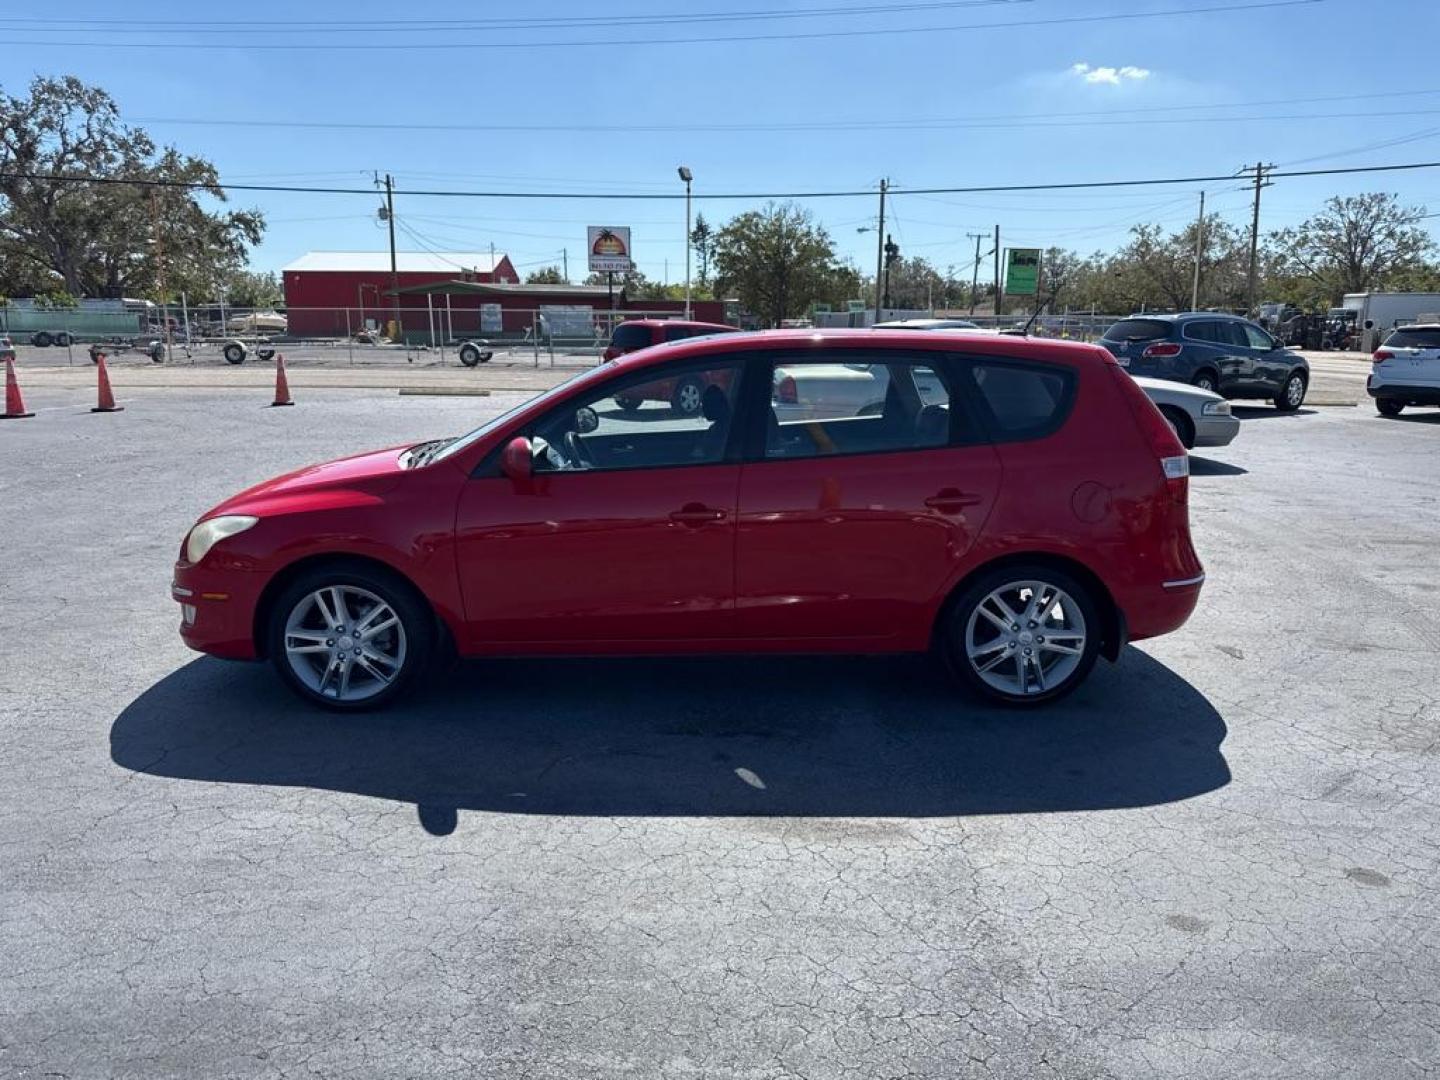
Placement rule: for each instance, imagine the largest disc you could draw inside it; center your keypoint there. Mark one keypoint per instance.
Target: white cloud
(1110, 76)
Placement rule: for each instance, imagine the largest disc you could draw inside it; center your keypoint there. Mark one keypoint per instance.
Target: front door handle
(697, 514)
(953, 500)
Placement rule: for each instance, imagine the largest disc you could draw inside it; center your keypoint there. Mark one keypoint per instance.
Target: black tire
(685, 399)
(1292, 392)
(1181, 422)
(1206, 379)
(470, 354)
(157, 352)
(62, 339)
(1388, 406)
(42, 339)
(414, 614)
(629, 404)
(234, 353)
(964, 606)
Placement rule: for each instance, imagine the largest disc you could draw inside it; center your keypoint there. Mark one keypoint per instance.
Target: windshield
(495, 423)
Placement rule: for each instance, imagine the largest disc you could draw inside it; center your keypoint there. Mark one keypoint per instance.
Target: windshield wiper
(424, 453)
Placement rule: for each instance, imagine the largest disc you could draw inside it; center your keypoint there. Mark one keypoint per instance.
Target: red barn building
(453, 295)
(332, 293)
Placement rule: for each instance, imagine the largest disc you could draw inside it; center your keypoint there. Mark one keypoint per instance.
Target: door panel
(595, 556)
(847, 547)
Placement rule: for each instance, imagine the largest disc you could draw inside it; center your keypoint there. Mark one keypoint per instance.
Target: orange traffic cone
(282, 385)
(14, 403)
(107, 399)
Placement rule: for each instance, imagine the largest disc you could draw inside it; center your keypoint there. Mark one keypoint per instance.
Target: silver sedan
(1199, 417)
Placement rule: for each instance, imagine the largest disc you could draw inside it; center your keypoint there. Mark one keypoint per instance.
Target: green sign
(856, 305)
(819, 307)
(1022, 273)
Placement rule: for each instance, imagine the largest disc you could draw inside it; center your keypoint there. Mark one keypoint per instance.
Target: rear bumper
(217, 613)
(1155, 611)
(1407, 393)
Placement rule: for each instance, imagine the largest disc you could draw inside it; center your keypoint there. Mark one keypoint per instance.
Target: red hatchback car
(1024, 514)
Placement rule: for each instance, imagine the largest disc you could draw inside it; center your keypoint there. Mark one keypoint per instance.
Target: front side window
(845, 406)
(1024, 400)
(1256, 338)
(673, 416)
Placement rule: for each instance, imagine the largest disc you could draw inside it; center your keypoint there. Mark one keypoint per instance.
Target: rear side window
(1022, 400)
(676, 333)
(630, 336)
(1203, 331)
(1411, 338)
(1138, 330)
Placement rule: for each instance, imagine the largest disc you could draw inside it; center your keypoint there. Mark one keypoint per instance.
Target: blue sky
(1130, 94)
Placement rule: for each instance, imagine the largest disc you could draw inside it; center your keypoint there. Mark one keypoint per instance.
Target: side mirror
(586, 420)
(517, 461)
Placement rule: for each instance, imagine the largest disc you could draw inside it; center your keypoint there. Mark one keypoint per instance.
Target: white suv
(1407, 369)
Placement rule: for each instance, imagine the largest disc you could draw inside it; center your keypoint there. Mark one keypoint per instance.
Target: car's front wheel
(1023, 634)
(349, 637)
(1292, 394)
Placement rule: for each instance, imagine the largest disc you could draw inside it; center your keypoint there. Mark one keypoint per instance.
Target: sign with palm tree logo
(609, 248)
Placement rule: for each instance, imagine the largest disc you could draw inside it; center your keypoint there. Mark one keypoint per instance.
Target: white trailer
(1377, 313)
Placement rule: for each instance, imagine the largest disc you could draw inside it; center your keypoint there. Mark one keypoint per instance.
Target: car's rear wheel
(1388, 406)
(1023, 634)
(1292, 394)
(629, 404)
(1181, 424)
(1206, 380)
(349, 637)
(685, 400)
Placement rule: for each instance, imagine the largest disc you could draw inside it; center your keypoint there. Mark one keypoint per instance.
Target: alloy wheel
(345, 642)
(1295, 391)
(1025, 638)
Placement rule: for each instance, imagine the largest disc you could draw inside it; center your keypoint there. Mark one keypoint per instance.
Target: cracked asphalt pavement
(1219, 858)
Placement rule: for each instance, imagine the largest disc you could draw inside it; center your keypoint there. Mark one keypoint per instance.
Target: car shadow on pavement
(1267, 412)
(1203, 466)
(797, 736)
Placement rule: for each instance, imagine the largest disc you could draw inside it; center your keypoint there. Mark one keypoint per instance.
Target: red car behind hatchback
(683, 393)
(1018, 504)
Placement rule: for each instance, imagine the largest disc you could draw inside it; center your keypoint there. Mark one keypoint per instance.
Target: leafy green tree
(702, 239)
(98, 239)
(778, 262)
(549, 275)
(251, 289)
(1356, 243)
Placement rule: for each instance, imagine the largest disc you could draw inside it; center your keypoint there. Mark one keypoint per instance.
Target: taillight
(785, 392)
(1381, 355)
(1159, 349)
(1159, 436)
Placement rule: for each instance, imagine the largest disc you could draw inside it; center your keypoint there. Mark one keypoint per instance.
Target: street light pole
(687, 176)
(880, 248)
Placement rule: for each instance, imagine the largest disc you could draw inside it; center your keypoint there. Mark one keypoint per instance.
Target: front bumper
(217, 613)
(1216, 430)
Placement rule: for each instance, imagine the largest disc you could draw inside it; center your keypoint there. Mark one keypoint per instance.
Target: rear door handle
(952, 500)
(696, 514)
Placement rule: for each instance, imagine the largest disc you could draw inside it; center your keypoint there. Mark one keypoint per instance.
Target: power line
(390, 46)
(252, 26)
(648, 196)
(1020, 121)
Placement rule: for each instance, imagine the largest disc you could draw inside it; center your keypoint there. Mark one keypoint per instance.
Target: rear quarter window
(1138, 330)
(630, 337)
(1022, 400)
(1414, 339)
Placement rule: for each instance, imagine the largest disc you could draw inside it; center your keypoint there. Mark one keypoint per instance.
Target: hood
(315, 486)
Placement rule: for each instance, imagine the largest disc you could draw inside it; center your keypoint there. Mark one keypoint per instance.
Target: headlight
(209, 533)
(1216, 408)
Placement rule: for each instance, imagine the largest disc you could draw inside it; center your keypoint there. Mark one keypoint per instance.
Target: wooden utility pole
(997, 276)
(160, 268)
(1260, 169)
(975, 269)
(394, 272)
(880, 248)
